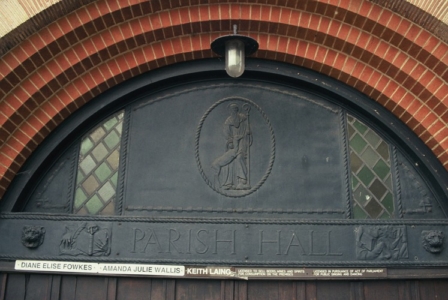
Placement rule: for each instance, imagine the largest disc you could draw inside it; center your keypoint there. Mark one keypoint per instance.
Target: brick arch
(68, 63)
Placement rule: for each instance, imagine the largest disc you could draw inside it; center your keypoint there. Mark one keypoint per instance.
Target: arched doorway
(281, 170)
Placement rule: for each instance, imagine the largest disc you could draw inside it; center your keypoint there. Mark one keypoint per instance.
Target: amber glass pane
(99, 158)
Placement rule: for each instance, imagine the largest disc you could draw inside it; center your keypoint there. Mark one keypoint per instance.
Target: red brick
(65, 98)
(422, 114)
(330, 57)
(225, 11)
(436, 127)
(114, 6)
(102, 7)
(406, 100)
(353, 36)
(12, 149)
(391, 53)
(440, 52)
(444, 117)
(442, 134)
(444, 145)
(409, 65)
(414, 107)
(442, 94)
(310, 51)
(390, 89)
(28, 129)
(429, 119)
(435, 84)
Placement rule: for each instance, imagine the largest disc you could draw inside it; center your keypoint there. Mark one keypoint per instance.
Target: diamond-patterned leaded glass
(371, 176)
(99, 155)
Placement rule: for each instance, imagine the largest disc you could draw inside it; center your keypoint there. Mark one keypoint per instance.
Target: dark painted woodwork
(67, 287)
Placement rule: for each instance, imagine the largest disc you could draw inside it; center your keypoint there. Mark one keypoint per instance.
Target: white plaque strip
(246, 273)
(135, 269)
(100, 268)
(56, 266)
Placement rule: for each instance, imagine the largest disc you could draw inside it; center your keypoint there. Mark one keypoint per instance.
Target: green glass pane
(378, 189)
(86, 145)
(106, 192)
(372, 138)
(94, 205)
(80, 197)
(114, 179)
(79, 177)
(112, 139)
(388, 202)
(355, 162)
(355, 182)
(351, 130)
(383, 150)
(381, 169)
(366, 176)
(360, 127)
(361, 195)
(373, 208)
(95, 192)
(110, 124)
(388, 182)
(358, 213)
(103, 172)
(369, 156)
(357, 143)
(100, 152)
(87, 164)
(385, 216)
(350, 118)
(119, 128)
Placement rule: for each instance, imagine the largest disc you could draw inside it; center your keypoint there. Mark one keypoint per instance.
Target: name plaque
(195, 271)
(99, 268)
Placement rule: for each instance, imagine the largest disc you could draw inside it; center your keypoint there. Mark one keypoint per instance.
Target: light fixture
(234, 48)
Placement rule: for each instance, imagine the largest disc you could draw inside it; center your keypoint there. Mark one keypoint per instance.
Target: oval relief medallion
(235, 147)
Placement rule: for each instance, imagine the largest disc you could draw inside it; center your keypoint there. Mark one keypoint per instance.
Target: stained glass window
(97, 176)
(371, 176)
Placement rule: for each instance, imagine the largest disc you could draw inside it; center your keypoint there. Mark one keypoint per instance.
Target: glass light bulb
(234, 58)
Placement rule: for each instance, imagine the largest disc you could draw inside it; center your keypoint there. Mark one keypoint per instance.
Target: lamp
(234, 48)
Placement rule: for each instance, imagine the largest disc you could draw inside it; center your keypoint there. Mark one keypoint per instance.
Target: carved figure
(381, 243)
(232, 169)
(85, 240)
(432, 240)
(33, 236)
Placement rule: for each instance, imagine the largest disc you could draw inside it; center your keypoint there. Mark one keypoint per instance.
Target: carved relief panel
(201, 151)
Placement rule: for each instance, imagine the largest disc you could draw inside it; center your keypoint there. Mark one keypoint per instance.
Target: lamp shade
(234, 54)
(234, 48)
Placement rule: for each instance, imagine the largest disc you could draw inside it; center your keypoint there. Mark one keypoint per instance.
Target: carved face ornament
(33, 236)
(432, 240)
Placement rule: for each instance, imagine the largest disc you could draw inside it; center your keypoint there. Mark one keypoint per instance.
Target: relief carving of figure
(232, 169)
(432, 240)
(86, 239)
(381, 243)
